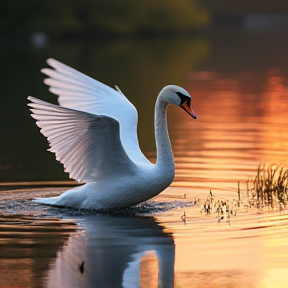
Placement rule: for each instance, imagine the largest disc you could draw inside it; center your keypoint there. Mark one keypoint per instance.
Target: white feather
(87, 145)
(94, 136)
(78, 91)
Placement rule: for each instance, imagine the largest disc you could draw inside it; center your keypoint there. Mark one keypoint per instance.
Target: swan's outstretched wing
(78, 91)
(88, 145)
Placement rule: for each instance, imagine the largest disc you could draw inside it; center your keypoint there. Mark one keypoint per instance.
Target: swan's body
(94, 135)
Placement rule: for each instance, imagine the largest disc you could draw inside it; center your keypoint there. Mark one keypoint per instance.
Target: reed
(271, 185)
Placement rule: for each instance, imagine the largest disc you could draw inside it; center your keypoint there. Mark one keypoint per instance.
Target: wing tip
(46, 80)
(118, 90)
(45, 70)
(31, 99)
(51, 60)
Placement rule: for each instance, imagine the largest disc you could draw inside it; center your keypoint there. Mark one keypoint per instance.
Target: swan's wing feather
(88, 145)
(81, 92)
(118, 89)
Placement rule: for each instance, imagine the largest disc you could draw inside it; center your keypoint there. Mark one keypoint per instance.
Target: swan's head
(180, 97)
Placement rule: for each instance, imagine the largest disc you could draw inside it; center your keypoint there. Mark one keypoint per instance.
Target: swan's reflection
(108, 253)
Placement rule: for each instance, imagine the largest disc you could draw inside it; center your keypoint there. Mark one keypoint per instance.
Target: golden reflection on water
(251, 251)
(149, 270)
(242, 121)
(28, 245)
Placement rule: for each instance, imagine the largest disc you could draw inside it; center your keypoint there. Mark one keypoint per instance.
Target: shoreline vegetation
(79, 19)
(87, 19)
(271, 186)
(269, 193)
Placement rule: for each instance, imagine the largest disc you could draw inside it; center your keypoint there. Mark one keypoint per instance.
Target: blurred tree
(245, 6)
(21, 18)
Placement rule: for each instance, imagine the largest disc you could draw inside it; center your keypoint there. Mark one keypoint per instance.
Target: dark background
(139, 45)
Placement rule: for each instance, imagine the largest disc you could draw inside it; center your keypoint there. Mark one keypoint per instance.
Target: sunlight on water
(166, 242)
(141, 246)
(240, 124)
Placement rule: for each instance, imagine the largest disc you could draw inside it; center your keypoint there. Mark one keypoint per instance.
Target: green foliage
(20, 18)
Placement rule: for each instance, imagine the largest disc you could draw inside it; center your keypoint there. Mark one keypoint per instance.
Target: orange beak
(188, 110)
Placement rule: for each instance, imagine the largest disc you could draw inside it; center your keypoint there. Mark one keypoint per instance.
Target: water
(238, 81)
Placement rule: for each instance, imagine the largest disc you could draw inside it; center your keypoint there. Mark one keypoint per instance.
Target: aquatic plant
(271, 185)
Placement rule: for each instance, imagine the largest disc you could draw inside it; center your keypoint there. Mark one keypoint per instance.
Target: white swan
(93, 133)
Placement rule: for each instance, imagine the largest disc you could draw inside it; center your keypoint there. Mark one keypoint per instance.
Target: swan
(93, 133)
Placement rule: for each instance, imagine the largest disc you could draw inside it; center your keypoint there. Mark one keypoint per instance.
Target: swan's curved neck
(165, 160)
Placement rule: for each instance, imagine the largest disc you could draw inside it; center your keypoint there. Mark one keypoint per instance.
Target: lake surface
(238, 82)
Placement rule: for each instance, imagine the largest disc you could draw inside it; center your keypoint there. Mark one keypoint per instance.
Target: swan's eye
(184, 98)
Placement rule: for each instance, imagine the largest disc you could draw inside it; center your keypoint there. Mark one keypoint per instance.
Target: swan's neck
(165, 160)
